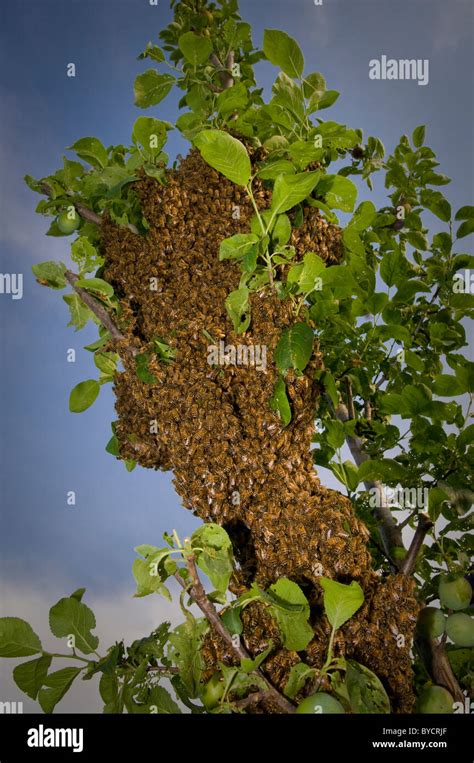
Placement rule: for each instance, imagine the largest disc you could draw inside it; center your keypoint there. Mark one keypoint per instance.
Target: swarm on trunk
(233, 462)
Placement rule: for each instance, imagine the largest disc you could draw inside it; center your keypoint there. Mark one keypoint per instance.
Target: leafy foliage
(388, 319)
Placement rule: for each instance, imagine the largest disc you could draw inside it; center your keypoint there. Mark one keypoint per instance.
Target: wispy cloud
(22, 232)
(452, 24)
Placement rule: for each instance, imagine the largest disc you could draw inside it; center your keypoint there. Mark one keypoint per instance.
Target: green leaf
(165, 353)
(271, 170)
(52, 273)
(366, 691)
(153, 52)
(419, 136)
(225, 154)
(299, 674)
(78, 594)
(232, 99)
(282, 229)
(465, 228)
(149, 575)
(387, 470)
(103, 340)
(393, 331)
(313, 266)
(91, 150)
(184, 651)
(465, 213)
(436, 498)
(85, 255)
(283, 51)
(303, 152)
(391, 268)
(58, 682)
(70, 617)
(352, 475)
(418, 240)
(29, 676)
(335, 434)
(341, 601)
(327, 379)
(161, 702)
(151, 88)
(80, 313)
(466, 437)
(83, 395)
(150, 134)
(437, 204)
(279, 402)
(327, 100)
(339, 192)
(295, 348)
(447, 386)
(290, 190)
(214, 554)
(414, 361)
(195, 49)
(106, 362)
(232, 621)
(238, 246)
(96, 286)
(363, 216)
(249, 665)
(17, 638)
(238, 308)
(142, 362)
(291, 613)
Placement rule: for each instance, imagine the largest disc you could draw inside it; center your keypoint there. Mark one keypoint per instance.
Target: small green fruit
(460, 629)
(320, 703)
(68, 222)
(213, 691)
(455, 592)
(431, 623)
(435, 699)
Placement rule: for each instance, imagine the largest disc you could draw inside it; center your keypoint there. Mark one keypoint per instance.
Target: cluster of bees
(213, 426)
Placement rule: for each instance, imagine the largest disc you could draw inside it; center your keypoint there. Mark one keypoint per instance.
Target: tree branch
(390, 532)
(435, 658)
(198, 594)
(163, 669)
(85, 212)
(252, 699)
(424, 525)
(99, 311)
(224, 72)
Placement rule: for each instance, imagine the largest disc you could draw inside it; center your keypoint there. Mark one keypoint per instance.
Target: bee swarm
(215, 429)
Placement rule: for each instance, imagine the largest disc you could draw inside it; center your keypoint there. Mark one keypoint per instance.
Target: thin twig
(350, 400)
(424, 525)
(85, 212)
(252, 699)
(163, 669)
(198, 594)
(99, 311)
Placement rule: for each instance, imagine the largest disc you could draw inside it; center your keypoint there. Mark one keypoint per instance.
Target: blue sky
(48, 546)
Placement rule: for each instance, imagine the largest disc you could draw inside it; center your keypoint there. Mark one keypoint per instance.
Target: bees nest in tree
(233, 463)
